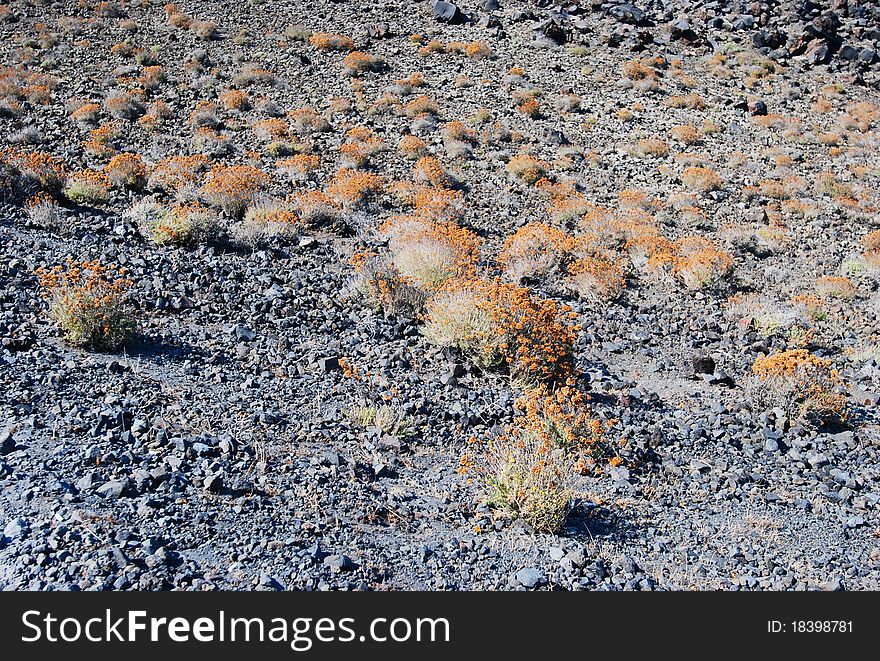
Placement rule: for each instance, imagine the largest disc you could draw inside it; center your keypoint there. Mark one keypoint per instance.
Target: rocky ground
(218, 450)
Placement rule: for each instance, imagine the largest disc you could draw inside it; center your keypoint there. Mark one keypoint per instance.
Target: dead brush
(357, 63)
(429, 253)
(377, 280)
(88, 301)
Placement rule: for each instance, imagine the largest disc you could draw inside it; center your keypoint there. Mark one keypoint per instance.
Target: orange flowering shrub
(181, 224)
(87, 300)
(315, 208)
(232, 187)
(42, 169)
(352, 188)
(802, 384)
(179, 175)
(429, 169)
(126, 171)
(535, 250)
(429, 253)
(597, 278)
(830, 286)
(698, 263)
(235, 100)
(87, 187)
(268, 219)
(526, 168)
(86, 113)
(412, 147)
(529, 467)
(702, 179)
(530, 108)
(422, 105)
(307, 120)
(267, 130)
(328, 41)
(357, 63)
(500, 326)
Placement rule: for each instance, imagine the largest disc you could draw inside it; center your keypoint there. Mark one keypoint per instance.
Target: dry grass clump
(702, 179)
(429, 253)
(526, 169)
(529, 467)
(299, 168)
(87, 187)
(536, 251)
(433, 47)
(179, 225)
(268, 219)
(328, 41)
(871, 247)
(766, 315)
(458, 139)
(126, 171)
(268, 130)
(828, 183)
(233, 187)
(88, 301)
(430, 170)
(352, 188)
(125, 105)
(806, 387)
(361, 146)
(179, 176)
(377, 280)
(500, 326)
(306, 121)
(478, 50)
(830, 286)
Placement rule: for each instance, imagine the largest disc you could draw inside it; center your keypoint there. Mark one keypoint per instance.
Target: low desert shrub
(233, 187)
(536, 251)
(526, 169)
(500, 326)
(178, 225)
(806, 387)
(87, 187)
(126, 171)
(267, 219)
(88, 302)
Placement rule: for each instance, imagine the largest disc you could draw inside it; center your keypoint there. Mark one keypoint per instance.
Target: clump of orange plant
(126, 171)
(268, 219)
(352, 188)
(871, 246)
(429, 253)
(430, 170)
(232, 187)
(315, 208)
(422, 105)
(87, 187)
(357, 63)
(702, 179)
(179, 175)
(458, 139)
(235, 100)
(412, 147)
(39, 168)
(597, 278)
(832, 286)
(501, 326)
(698, 263)
(88, 301)
(307, 120)
(179, 225)
(328, 41)
(378, 281)
(535, 250)
(526, 168)
(529, 467)
(802, 384)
